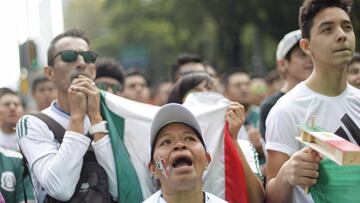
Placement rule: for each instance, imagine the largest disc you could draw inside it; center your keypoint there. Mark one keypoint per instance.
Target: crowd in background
(189, 73)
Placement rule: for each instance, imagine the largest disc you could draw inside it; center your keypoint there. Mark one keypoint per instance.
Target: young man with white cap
(294, 66)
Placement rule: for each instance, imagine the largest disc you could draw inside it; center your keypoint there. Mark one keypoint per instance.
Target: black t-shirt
(265, 108)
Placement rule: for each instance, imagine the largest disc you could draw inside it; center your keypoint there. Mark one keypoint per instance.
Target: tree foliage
(151, 33)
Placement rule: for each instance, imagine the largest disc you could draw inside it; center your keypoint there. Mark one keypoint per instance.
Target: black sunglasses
(70, 56)
(105, 86)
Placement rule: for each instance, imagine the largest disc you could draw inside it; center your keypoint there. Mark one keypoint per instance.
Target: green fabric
(129, 189)
(253, 116)
(11, 173)
(336, 184)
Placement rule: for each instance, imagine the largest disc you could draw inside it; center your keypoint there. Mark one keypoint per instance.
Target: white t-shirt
(157, 198)
(55, 168)
(8, 141)
(339, 114)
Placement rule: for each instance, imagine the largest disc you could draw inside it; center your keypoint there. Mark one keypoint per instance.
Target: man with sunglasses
(109, 75)
(55, 167)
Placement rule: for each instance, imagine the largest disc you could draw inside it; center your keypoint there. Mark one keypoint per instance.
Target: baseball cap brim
(173, 113)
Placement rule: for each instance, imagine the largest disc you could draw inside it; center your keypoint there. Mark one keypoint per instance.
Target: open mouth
(182, 161)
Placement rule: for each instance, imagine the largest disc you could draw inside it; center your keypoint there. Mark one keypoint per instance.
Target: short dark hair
(272, 76)
(183, 59)
(75, 33)
(109, 67)
(288, 54)
(137, 72)
(186, 83)
(225, 77)
(355, 58)
(311, 8)
(5, 90)
(37, 81)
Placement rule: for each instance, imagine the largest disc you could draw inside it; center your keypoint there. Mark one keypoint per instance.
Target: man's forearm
(253, 184)
(278, 190)
(58, 173)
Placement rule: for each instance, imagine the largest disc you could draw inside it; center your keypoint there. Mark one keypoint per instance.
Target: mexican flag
(129, 129)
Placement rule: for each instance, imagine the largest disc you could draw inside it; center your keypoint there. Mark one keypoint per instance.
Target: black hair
(75, 33)
(288, 54)
(272, 76)
(5, 90)
(227, 75)
(37, 81)
(183, 59)
(137, 72)
(109, 67)
(186, 83)
(311, 8)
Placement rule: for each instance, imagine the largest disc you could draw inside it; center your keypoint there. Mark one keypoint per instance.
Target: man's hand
(254, 136)
(88, 87)
(77, 103)
(235, 116)
(301, 168)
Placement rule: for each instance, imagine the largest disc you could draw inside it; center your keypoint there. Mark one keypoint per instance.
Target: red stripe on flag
(235, 183)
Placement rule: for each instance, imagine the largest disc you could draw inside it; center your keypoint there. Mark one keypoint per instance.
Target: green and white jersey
(8, 141)
(11, 173)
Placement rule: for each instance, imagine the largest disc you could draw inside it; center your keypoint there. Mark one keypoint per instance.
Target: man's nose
(81, 64)
(12, 105)
(341, 35)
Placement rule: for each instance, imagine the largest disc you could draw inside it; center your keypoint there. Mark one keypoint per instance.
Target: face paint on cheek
(160, 164)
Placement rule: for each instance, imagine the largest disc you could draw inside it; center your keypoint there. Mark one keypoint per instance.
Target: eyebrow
(326, 23)
(331, 22)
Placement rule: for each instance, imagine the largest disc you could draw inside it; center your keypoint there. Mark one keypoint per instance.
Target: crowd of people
(318, 73)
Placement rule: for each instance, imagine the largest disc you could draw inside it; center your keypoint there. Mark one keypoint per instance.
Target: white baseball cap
(287, 43)
(173, 113)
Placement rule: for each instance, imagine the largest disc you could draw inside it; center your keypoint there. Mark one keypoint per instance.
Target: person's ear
(49, 72)
(151, 167)
(305, 46)
(208, 158)
(281, 65)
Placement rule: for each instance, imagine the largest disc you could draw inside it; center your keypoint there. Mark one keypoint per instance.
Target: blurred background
(149, 34)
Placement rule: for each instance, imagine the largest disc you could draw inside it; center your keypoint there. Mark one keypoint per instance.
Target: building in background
(27, 28)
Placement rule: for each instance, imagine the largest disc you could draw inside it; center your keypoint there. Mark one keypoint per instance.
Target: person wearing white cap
(178, 157)
(293, 65)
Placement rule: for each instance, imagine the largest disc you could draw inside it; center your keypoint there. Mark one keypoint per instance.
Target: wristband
(98, 128)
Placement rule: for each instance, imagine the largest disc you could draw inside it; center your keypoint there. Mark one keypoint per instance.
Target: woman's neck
(193, 196)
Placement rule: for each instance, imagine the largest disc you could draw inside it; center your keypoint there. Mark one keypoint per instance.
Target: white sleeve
(281, 130)
(105, 157)
(56, 169)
